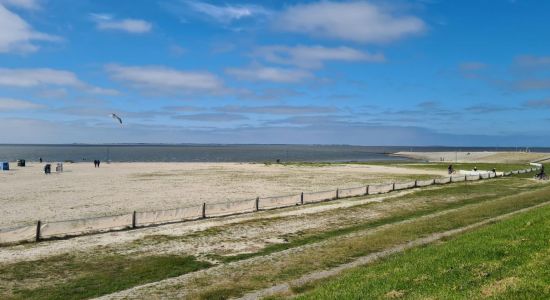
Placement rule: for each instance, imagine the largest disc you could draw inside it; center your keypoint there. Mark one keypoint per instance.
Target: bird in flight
(115, 117)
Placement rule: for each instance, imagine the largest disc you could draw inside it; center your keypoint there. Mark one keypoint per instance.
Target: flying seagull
(115, 117)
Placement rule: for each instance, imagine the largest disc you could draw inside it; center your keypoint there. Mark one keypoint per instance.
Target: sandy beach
(83, 191)
(481, 157)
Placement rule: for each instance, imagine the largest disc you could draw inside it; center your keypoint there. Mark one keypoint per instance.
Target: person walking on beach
(40, 160)
(98, 162)
(450, 169)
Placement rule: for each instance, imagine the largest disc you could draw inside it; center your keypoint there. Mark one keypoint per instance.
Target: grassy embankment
(342, 249)
(86, 274)
(500, 167)
(507, 260)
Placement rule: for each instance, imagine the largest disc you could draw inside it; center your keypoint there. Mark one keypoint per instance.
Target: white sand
(83, 191)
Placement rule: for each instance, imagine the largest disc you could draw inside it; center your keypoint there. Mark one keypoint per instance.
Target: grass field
(507, 260)
(94, 278)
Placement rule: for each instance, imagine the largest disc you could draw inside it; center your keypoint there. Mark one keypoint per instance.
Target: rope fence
(62, 229)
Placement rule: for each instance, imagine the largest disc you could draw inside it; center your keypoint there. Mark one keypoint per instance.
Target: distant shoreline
(231, 153)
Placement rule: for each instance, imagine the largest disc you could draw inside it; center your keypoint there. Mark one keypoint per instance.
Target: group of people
(96, 163)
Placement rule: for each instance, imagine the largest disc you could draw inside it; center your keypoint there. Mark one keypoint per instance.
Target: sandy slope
(82, 191)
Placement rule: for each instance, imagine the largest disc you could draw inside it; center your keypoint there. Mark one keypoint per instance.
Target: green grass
(339, 250)
(86, 279)
(500, 167)
(507, 260)
(467, 193)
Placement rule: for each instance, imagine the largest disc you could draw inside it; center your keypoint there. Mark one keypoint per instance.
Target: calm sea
(215, 153)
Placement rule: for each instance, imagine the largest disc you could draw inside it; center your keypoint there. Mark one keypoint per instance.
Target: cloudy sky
(424, 72)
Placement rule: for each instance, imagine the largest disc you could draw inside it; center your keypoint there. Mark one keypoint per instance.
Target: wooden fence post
(38, 225)
(393, 187)
(134, 219)
(204, 210)
(367, 190)
(257, 203)
(415, 183)
(302, 198)
(337, 192)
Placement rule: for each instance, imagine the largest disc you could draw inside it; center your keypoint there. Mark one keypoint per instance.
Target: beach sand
(83, 191)
(480, 157)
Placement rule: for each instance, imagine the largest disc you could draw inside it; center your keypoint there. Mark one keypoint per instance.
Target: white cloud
(227, 13)
(43, 77)
(159, 78)
(101, 91)
(22, 78)
(273, 74)
(107, 22)
(15, 104)
(313, 56)
(357, 21)
(53, 93)
(16, 35)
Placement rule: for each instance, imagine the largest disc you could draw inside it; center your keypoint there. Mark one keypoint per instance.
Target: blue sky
(425, 72)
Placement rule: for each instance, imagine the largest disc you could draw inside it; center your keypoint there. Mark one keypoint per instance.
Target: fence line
(61, 229)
